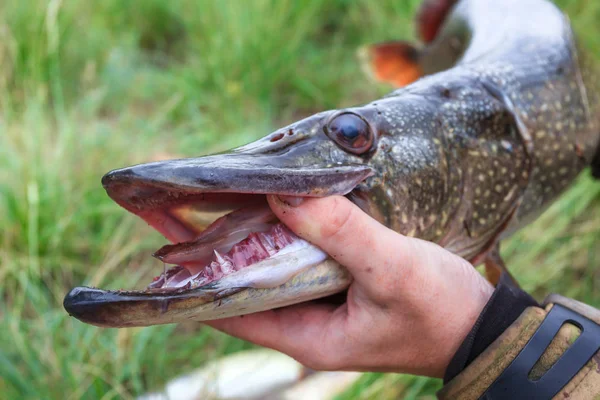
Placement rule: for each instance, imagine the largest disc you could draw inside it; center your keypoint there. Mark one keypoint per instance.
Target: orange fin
(431, 17)
(396, 63)
(495, 267)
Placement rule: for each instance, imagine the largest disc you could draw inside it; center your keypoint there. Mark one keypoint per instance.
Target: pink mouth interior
(257, 246)
(237, 240)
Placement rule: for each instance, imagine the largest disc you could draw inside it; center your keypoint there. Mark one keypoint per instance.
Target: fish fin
(495, 267)
(431, 17)
(490, 256)
(497, 93)
(396, 63)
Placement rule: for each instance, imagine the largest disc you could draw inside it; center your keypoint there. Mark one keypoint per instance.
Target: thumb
(388, 265)
(346, 233)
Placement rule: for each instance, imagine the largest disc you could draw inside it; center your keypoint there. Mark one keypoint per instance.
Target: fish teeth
(216, 269)
(267, 243)
(226, 266)
(219, 257)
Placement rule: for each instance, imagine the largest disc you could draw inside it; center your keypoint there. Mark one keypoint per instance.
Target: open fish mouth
(242, 248)
(247, 237)
(229, 254)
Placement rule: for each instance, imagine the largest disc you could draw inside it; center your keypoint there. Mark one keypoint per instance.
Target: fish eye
(350, 132)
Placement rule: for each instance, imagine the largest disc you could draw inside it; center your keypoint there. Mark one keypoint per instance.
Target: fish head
(231, 255)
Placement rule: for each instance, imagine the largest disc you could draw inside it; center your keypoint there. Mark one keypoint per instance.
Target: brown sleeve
(483, 371)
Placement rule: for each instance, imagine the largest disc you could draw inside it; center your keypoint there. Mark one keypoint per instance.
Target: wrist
(463, 305)
(506, 304)
(466, 315)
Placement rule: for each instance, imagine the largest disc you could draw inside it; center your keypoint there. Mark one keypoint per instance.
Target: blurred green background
(86, 87)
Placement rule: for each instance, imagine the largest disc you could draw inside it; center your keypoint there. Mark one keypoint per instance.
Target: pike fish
(497, 112)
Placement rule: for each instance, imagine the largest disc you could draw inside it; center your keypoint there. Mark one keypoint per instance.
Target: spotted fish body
(483, 147)
(505, 116)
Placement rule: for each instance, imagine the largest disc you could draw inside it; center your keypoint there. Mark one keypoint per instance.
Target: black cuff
(504, 307)
(596, 164)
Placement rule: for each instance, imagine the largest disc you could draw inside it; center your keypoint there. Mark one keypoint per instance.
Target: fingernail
(291, 201)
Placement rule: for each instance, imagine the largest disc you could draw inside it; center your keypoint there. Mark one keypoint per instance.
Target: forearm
(506, 326)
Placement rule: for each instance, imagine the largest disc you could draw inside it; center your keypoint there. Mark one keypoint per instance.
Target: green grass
(86, 87)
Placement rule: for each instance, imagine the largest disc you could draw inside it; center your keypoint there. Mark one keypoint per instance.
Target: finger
(370, 251)
(310, 333)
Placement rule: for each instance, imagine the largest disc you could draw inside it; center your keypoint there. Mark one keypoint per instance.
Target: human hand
(410, 306)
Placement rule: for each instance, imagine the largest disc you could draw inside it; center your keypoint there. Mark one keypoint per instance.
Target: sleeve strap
(502, 309)
(567, 336)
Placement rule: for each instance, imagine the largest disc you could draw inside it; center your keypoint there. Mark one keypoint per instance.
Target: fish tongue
(220, 235)
(247, 216)
(196, 254)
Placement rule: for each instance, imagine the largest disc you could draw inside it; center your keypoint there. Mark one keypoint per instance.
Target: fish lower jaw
(227, 261)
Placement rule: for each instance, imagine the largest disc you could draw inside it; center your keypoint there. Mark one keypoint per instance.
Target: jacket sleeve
(475, 379)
